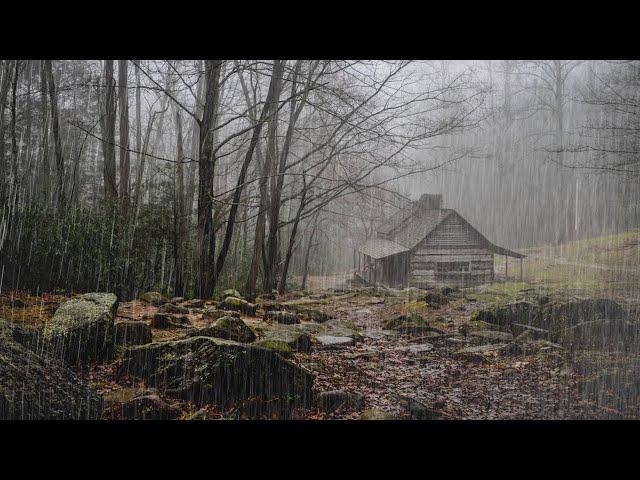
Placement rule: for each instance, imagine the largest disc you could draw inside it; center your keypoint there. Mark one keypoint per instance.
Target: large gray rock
(38, 387)
(137, 404)
(228, 328)
(285, 318)
(285, 341)
(154, 298)
(82, 329)
(332, 341)
(171, 308)
(132, 333)
(238, 305)
(207, 370)
(339, 401)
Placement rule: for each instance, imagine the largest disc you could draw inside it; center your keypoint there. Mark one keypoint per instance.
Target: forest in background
(188, 177)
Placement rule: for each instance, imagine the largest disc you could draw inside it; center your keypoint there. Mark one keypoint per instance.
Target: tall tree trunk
(292, 239)
(4, 91)
(45, 133)
(108, 127)
(125, 157)
(179, 219)
(308, 252)
(55, 127)
(206, 160)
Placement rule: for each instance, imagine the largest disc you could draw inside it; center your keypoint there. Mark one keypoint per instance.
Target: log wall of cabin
(452, 254)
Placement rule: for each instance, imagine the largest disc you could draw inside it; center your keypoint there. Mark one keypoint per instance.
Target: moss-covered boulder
(285, 318)
(212, 314)
(138, 404)
(435, 299)
(207, 370)
(230, 292)
(154, 298)
(602, 334)
(410, 324)
(491, 336)
(132, 333)
(504, 315)
(557, 315)
(286, 341)
(82, 329)
(169, 320)
(171, 308)
(36, 386)
(474, 326)
(228, 328)
(377, 414)
(194, 303)
(337, 401)
(238, 305)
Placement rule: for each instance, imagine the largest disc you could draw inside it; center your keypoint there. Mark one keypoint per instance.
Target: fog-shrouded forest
(197, 180)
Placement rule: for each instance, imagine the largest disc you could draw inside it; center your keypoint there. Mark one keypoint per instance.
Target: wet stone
(331, 341)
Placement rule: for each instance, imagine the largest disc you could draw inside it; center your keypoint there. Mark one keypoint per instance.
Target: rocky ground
(514, 352)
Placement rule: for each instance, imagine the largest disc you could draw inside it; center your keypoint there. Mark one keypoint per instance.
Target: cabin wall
(452, 254)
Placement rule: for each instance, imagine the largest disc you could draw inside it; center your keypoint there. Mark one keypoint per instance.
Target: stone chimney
(430, 201)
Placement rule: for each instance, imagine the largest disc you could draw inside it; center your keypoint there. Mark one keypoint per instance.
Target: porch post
(506, 267)
(521, 269)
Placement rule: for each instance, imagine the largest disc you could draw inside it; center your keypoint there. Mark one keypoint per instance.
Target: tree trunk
(45, 133)
(55, 125)
(292, 239)
(125, 158)
(206, 161)
(179, 215)
(108, 127)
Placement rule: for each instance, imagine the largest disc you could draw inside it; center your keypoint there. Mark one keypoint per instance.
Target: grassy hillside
(607, 265)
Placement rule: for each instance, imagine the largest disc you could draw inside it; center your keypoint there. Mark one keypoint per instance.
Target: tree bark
(108, 127)
(206, 163)
(125, 158)
(55, 127)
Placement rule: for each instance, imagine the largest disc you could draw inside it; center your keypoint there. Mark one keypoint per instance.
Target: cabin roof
(380, 248)
(412, 224)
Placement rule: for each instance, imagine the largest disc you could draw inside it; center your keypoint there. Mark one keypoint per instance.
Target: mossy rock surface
(376, 414)
(138, 404)
(154, 298)
(410, 324)
(286, 341)
(36, 386)
(132, 333)
(228, 328)
(339, 401)
(231, 292)
(82, 329)
(216, 313)
(238, 305)
(207, 370)
(171, 308)
(283, 317)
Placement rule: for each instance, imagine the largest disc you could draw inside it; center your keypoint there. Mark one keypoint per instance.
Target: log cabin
(425, 244)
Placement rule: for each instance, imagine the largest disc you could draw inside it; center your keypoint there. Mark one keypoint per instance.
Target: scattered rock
(138, 404)
(418, 410)
(286, 318)
(482, 350)
(228, 328)
(194, 303)
(417, 348)
(230, 292)
(238, 305)
(176, 300)
(339, 401)
(531, 332)
(331, 341)
(603, 334)
(410, 324)
(435, 300)
(286, 341)
(132, 333)
(171, 308)
(154, 298)
(475, 325)
(376, 414)
(491, 336)
(39, 387)
(216, 313)
(168, 320)
(82, 329)
(206, 370)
